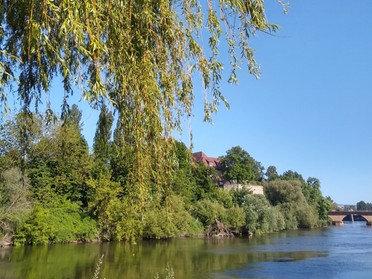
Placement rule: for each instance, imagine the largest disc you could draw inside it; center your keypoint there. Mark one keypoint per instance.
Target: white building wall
(255, 189)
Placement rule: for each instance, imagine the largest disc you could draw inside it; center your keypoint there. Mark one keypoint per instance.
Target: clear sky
(310, 111)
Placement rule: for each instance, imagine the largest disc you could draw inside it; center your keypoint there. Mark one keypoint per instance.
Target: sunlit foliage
(140, 56)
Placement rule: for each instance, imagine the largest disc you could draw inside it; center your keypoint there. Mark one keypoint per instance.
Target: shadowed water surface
(335, 252)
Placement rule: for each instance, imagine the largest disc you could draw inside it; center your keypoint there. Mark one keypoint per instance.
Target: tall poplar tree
(102, 140)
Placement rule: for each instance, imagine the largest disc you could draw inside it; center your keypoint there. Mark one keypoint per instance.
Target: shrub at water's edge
(59, 223)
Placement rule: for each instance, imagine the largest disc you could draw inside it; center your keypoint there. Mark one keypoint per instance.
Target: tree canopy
(240, 167)
(107, 48)
(362, 205)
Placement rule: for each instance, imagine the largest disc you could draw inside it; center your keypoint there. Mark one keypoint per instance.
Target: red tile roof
(200, 157)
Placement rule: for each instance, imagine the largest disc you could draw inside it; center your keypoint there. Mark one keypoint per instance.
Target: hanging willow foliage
(140, 55)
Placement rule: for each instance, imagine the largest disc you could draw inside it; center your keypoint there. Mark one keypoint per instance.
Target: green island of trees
(52, 189)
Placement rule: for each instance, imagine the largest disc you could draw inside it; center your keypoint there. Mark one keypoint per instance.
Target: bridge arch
(355, 217)
(337, 217)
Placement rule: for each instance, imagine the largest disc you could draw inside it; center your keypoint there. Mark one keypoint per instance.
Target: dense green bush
(307, 217)
(272, 220)
(222, 197)
(121, 220)
(260, 216)
(171, 220)
(207, 212)
(63, 223)
(235, 218)
(288, 196)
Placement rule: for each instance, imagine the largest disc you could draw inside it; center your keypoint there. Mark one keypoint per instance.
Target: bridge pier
(369, 220)
(336, 220)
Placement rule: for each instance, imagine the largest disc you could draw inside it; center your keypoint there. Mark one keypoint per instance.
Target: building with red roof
(200, 157)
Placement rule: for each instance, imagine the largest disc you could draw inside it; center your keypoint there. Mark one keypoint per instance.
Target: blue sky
(310, 111)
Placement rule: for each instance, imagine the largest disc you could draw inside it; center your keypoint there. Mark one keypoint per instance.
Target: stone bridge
(337, 217)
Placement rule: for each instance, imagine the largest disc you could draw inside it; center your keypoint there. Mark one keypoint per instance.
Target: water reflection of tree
(189, 258)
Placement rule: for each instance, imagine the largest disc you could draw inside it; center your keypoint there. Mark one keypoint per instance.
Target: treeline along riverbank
(54, 190)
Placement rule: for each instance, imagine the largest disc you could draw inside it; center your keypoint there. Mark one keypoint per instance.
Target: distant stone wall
(255, 189)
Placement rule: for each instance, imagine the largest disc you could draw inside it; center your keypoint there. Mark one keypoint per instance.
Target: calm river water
(334, 252)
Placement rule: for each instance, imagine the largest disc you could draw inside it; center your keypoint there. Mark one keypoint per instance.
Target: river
(334, 252)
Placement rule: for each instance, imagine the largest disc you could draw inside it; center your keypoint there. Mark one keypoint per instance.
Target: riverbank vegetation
(53, 190)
